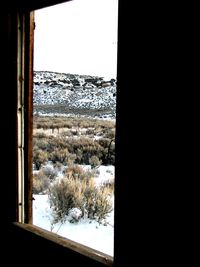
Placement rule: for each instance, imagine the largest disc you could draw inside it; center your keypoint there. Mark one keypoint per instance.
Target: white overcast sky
(78, 37)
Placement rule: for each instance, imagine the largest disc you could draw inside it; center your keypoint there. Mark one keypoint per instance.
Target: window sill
(67, 243)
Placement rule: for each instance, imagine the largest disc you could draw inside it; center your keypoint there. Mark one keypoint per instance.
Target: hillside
(72, 94)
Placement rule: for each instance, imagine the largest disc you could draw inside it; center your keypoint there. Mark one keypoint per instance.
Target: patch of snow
(87, 232)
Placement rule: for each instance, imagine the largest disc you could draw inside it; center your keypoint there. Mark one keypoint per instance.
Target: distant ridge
(68, 94)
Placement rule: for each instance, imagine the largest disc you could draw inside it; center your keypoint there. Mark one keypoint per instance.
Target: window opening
(74, 106)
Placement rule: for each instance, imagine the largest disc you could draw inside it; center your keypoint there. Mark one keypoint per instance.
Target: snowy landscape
(87, 232)
(80, 110)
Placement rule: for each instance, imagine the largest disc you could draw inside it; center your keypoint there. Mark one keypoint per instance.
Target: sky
(78, 37)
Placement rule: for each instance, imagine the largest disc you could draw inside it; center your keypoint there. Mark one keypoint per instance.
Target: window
(74, 121)
(24, 118)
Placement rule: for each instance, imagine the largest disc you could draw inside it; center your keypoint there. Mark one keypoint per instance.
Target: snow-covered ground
(87, 232)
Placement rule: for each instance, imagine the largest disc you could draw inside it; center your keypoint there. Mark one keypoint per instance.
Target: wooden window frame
(25, 127)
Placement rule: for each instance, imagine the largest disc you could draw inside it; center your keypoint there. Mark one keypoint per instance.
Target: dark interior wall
(8, 114)
(146, 209)
(8, 130)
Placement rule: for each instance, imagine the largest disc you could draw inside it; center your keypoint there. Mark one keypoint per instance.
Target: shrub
(94, 161)
(69, 193)
(64, 195)
(98, 203)
(39, 157)
(59, 155)
(77, 171)
(40, 182)
(50, 172)
(110, 185)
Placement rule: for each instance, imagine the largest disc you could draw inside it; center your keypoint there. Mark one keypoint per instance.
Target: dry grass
(71, 126)
(77, 141)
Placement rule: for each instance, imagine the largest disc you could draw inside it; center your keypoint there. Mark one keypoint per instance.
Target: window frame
(25, 50)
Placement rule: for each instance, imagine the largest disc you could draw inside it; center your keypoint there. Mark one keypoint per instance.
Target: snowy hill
(69, 94)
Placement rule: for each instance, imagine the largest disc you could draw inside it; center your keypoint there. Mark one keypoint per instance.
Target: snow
(87, 232)
(105, 173)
